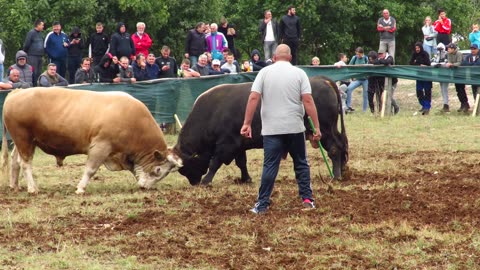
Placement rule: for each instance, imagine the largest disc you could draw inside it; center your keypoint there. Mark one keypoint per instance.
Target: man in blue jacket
(56, 46)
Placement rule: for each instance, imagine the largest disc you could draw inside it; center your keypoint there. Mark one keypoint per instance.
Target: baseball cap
(452, 46)
(381, 50)
(474, 46)
(215, 62)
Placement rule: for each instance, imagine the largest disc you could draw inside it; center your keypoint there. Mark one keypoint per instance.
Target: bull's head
(194, 165)
(156, 168)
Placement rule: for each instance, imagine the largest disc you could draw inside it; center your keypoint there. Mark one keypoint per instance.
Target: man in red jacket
(141, 40)
(444, 27)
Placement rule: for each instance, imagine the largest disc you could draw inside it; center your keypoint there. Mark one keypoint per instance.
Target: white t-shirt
(281, 86)
(231, 67)
(269, 34)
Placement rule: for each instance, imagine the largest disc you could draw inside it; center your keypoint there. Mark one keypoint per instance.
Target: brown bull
(112, 128)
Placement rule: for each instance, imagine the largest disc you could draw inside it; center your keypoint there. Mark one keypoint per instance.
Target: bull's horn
(175, 160)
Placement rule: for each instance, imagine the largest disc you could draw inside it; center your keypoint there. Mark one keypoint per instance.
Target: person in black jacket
(75, 53)
(99, 42)
(33, 46)
(168, 65)
(107, 69)
(255, 61)
(424, 88)
(195, 43)
(121, 43)
(290, 32)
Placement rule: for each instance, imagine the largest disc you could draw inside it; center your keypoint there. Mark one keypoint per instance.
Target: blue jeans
(1, 71)
(275, 146)
(354, 84)
(193, 60)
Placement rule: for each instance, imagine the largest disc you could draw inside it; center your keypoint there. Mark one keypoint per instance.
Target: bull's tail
(4, 163)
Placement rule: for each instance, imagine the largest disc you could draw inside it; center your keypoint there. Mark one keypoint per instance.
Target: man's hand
(246, 131)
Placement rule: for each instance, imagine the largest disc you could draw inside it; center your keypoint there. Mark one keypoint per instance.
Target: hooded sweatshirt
(106, 74)
(121, 44)
(26, 71)
(75, 49)
(420, 58)
(257, 65)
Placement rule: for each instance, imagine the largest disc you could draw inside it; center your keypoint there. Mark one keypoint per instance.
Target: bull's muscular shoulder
(83, 117)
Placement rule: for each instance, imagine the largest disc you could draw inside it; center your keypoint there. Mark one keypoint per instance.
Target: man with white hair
(216, 42)
(141, 40)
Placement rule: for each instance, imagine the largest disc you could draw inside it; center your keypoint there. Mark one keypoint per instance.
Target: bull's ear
(158, 155)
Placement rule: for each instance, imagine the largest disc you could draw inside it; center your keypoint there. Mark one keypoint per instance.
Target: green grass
(411, 203)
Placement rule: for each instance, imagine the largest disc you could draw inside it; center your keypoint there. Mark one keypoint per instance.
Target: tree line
(329, 27)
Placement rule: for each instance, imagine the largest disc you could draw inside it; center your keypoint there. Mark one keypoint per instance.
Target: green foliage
(329, 27)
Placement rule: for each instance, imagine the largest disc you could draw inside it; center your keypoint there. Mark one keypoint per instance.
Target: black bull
(211, 133)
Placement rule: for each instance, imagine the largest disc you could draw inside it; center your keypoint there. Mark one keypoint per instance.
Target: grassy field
(410, 201)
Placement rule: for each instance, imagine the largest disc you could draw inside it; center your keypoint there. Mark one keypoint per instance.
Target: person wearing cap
(472, 59)
(121, 43)
(455, 58)
(56, 46)
(215, 68)
(26, 71)
(440, 60)
(424, 88)
(386, 59)
(443, 26)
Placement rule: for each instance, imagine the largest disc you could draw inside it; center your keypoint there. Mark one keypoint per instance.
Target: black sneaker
(350, 109)
(445, 108)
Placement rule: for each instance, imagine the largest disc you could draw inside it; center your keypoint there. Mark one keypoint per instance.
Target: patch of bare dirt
(418, 197)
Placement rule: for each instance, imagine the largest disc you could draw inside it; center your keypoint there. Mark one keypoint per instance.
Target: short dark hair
(55, 23)
(359, 50)
(440, 10)
(340, 56)
(37, 22)
(290, 7)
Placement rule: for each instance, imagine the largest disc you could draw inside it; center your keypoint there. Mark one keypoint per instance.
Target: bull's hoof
(243, 181)
(206, 184)
(32, 191)
(15, 188)
(80, 191)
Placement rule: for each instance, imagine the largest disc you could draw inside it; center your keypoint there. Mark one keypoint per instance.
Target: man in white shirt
(268, 29)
